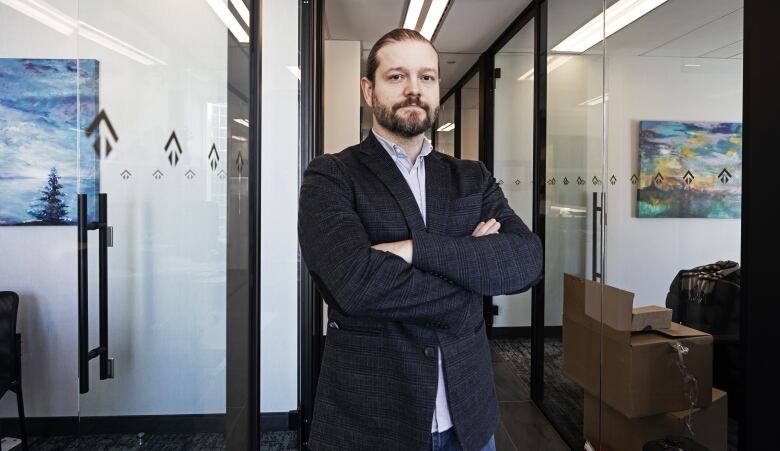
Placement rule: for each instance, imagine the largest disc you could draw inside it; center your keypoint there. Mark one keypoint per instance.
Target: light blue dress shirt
(414, 174)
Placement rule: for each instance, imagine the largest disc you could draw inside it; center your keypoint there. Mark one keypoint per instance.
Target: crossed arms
(376, 282)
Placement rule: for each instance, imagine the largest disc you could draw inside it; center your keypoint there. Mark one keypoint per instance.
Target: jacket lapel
(437, 182)
(374, 156)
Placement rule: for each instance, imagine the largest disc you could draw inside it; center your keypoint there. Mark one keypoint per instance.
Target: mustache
(411, 101)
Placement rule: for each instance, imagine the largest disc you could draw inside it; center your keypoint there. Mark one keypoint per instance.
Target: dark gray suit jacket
(377, 385)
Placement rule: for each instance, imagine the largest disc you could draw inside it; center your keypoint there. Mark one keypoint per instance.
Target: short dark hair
(397, 35)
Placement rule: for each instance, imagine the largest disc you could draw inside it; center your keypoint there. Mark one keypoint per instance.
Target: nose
(412, 87)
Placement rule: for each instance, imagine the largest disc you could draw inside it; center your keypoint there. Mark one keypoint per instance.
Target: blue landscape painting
(690, 170)
(45, 160)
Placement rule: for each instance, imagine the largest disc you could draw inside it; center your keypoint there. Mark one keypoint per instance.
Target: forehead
(407, 54)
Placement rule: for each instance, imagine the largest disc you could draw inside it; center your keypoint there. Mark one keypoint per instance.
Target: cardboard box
(636, 373)
(710, 425)
(618, 310)
(651, 317)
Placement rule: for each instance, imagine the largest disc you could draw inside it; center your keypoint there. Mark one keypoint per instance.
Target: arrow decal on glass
(688, 177)
(174, 153)
(213, 157)
(724, 176)
(94, 128)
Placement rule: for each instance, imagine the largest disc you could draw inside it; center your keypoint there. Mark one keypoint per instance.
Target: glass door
(125, 157)
(573, 198)
(163, 146)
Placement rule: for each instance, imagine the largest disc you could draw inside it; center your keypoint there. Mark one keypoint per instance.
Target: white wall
(279, 216)
(167, 266)
(341, 94)
(644, 254)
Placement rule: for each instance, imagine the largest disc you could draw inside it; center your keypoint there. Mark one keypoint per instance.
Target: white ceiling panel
(728, 51)
(716, 34)
(472, 25)
(678, 28)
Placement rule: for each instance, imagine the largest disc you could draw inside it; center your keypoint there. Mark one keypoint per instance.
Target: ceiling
(368, 20)
(677, 28)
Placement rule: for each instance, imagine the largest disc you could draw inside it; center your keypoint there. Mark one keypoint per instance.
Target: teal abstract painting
(45, 104)
(690, 170)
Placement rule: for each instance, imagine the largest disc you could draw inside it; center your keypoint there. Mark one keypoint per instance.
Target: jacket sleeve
(354, 278)
(504, 263)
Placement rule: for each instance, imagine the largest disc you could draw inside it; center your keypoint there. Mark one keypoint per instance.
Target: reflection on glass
(445, 127)
(513, 169)
(674, 146)
(469, 119)
(574, 171)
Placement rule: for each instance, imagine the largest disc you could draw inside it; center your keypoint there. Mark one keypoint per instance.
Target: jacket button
(430, 352)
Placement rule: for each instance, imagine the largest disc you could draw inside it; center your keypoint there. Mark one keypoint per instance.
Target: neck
(412, 146)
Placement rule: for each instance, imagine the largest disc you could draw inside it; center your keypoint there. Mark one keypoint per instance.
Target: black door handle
(85, 354)
(594, 238)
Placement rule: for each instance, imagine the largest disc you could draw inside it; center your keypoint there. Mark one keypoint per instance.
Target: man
(403, 242)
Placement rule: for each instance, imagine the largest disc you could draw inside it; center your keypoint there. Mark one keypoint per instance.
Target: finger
(476, 229)
(494, 228)
(485, 227)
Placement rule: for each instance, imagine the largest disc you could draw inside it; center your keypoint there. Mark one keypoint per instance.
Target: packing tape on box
(690, 384)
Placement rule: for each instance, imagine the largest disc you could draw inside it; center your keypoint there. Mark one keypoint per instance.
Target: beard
(406, 126)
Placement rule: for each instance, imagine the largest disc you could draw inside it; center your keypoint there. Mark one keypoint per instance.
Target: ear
(367, 88)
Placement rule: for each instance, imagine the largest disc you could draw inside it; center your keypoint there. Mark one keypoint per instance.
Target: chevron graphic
(213, 157)
(173, 153)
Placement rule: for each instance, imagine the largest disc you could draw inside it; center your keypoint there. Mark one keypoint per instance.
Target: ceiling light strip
(230, 21)
(413, 14)
(616, 16)
(242, 10)
(433, 18)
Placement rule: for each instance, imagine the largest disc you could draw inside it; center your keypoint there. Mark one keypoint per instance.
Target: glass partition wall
(673, 182)
(573, 162)
(469, 119)
(642, 221)
(445, 127)
(124, 172)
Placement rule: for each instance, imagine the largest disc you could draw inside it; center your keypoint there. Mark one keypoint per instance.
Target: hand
(486, 228)
(402, 249)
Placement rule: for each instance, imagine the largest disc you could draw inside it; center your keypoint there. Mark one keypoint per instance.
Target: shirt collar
(396, 150)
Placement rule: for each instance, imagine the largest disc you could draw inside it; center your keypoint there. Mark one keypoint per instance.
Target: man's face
(405, 92)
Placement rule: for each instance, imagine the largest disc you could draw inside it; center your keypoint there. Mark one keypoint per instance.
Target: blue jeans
(448, 441)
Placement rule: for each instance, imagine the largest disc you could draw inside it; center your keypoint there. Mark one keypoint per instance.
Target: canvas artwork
(41, 131)
(690, 169)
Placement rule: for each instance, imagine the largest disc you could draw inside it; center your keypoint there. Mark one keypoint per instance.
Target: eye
(396, 76)
(428, 77)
